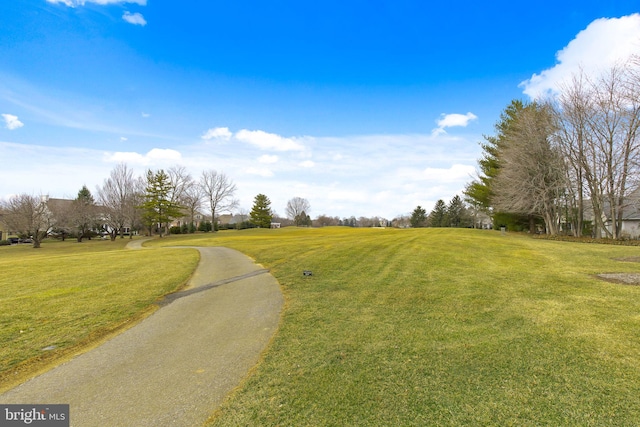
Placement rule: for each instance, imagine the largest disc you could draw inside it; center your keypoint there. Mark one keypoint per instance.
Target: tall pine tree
(418, 217)
(438, 216)
(261, 214)
(481, 192)
(456, 213)
(84, 212)
(158, 208)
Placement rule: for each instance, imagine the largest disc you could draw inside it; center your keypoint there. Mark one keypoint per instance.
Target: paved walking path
(176, 366)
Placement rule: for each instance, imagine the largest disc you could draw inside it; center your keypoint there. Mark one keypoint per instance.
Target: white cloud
(452, 120)
(164, 154)
(11, 122)
(455, 173)
(156, 156)
(134, 18)
(126, 157)
(268, 141)
(146, 115)
(74, 3)
(124, 138)
(383, 175)
(268, 159)
(217, 133)
(67, 170)
(347, 195)
(264, 172)
(599, 46)
(307, 164)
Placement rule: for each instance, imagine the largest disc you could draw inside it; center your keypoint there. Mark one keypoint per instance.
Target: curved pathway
(177, 365)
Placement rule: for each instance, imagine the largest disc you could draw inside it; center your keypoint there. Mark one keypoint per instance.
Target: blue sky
(363, 108)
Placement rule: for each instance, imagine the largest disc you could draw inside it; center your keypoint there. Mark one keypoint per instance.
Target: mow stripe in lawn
(66, 295)
(440, 327)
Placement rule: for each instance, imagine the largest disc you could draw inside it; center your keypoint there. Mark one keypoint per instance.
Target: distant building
(630, 225)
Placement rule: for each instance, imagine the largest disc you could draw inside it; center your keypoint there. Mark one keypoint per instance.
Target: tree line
(454, 214)
(567, 164)
(125, 203)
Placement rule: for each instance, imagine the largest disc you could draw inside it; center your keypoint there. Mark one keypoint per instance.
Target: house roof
(630, 212)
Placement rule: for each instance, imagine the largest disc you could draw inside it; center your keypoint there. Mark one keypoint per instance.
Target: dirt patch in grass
(622, 278)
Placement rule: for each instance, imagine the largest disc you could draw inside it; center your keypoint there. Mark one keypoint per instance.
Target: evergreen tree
(418, 217)
(302, 220)
(456, 213)
(158, 208)
(261, 211)
(84, 212)
(481, 192)
(438, 216)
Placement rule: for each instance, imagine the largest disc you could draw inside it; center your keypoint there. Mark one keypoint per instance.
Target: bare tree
(192, 202)
(116, 198)
(571, 109)
(134, 212)
(599, 120)
(326, 221)
(181, 181)
(532, 178)
(615, 126)
(219, 191)
(402, 221)
(28, 215)
(296, 207)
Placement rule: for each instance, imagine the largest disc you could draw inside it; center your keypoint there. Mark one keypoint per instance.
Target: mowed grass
(67, 295)
(440, 327)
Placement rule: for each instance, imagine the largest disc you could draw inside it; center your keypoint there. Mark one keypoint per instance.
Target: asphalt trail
(177, 365)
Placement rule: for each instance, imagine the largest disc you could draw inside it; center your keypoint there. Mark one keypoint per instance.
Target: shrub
(205, 226)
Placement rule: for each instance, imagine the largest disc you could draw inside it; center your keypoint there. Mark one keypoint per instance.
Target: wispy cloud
(217, 133)
(134, 18)
(11, 122)
(263, 172)
(268, 159)
(155, 157)
(452, 120)
(364, 175)
(599, 46)
(64, 109)
(75, 3)
(307, 164)
(268, 141)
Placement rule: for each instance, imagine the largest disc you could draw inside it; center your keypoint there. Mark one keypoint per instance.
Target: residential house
(630, 226)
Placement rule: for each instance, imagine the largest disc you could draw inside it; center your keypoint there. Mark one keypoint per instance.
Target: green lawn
(67, 295)
(395, 327)
(441, 327)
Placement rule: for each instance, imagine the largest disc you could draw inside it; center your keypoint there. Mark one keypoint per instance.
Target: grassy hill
(441, 327)
(67, 296)
(394, 327)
